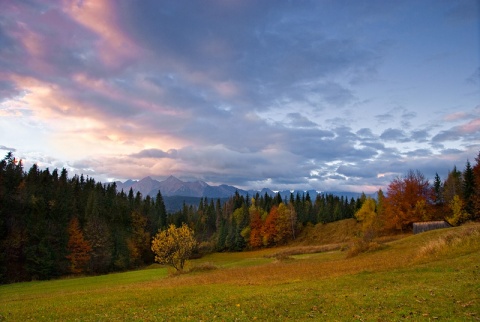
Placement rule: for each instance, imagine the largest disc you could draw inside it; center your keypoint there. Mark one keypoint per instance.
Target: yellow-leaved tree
(459, 215)
(367, 215)
(174, 246)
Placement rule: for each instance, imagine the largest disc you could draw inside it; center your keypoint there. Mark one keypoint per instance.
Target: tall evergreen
(469, 189)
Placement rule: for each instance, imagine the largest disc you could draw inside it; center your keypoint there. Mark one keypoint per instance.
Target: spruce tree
(469, 189)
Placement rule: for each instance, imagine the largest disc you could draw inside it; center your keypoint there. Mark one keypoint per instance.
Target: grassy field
(430, 276)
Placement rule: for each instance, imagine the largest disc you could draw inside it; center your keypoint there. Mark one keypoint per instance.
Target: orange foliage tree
(256, 223)
(269, 229)
(279, 226)
(78, 247)
(409, 199)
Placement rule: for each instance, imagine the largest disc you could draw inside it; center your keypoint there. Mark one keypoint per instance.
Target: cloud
(154, 153)
(407, 116)
(420, 136)
(114, 48)
(239, 92)
(155, 77)
(297, 120)
(456, 116)
(474, 78)
(394, 135)
(277, 61)
(356, 171)
(463, 12)
(6, 148)
(466, 131)
(385, 118)
(419, 153)
(335, 94)
(365, 133)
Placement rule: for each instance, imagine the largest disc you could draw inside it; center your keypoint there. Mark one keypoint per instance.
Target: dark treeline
(38, 209)
(52, 225)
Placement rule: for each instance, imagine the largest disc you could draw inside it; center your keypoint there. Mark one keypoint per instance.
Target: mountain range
(173, 186)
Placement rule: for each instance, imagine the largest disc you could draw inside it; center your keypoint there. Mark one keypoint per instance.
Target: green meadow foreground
(430, 276)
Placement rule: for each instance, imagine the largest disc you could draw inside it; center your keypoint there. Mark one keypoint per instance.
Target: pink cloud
(100, 16)
(471, 127)
(455, 116)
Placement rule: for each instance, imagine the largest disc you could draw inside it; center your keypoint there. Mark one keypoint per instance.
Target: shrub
(362, 246)
(174, 246)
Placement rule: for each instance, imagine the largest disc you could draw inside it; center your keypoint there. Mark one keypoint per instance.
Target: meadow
(429, 276)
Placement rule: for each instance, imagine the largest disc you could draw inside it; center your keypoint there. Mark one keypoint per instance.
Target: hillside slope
(341, 231)
(429, 276)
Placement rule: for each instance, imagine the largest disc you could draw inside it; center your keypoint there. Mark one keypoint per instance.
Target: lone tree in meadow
(174, 246)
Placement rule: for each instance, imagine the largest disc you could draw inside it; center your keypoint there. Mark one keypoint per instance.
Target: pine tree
(98, 235)
(469, 189)
(139, 240)
(476, 195)
(453, 185)
(160, 211)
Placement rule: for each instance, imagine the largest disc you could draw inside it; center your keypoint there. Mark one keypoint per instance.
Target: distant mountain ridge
(173, 186)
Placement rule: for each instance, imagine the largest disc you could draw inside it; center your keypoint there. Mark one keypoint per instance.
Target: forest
(52, 225)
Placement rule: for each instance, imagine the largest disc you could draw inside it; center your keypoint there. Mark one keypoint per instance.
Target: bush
(174, 246)
(206, 247)
(362, 246)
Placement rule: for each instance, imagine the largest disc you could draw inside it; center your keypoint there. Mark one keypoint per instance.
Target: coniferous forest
(53, 225)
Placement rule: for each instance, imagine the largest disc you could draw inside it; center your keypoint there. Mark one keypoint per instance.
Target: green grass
(407, 279)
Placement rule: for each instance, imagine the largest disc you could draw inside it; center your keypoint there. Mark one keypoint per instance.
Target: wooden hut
(420, 227)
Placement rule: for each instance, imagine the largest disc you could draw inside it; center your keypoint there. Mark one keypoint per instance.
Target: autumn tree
(286, 224)
(408, 200)
(367, 215)
(255, 228)
(458, 214)
(78, 247)
(174, 246)
(269, 229)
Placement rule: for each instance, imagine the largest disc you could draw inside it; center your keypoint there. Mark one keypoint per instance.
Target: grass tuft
(362, 246)
(300, 250)
(202, 267)
(454, 240)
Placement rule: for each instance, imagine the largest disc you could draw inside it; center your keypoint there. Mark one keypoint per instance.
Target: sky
(338, 95)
